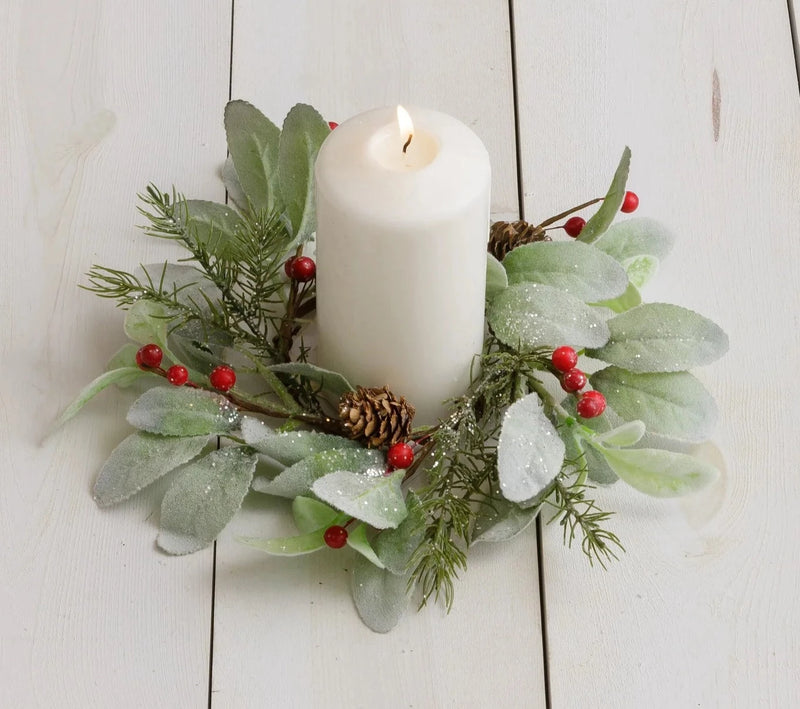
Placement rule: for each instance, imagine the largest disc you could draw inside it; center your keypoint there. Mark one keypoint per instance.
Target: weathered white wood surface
(286, 629)
(95, 103)
(99, 98)
(703, 609)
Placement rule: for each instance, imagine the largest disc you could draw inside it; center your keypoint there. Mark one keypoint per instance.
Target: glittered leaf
(496, 278)
(530, 315)
(288, 546)
(203, 498)
(597, 466)
(214, 226)
(659, 473)
(142, 458)
(659, 337)
(629, 299)
(381, 597)
(395, 547)
(639, 236)
(330, 381)
(290, 447)
(628, 434)
(530, 452)
(609, 209)
(573, 267)
(298, 478)
(146, 322)
(673, 404)
(499, 520)
(303, 132)
(253, 145)
(173, 411)
(122, 376)
(640, 269)
(375, 499)
(310, 514)
(357, 539)
(125, 356)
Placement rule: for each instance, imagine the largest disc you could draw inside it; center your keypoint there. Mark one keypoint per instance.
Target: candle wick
(408, 142)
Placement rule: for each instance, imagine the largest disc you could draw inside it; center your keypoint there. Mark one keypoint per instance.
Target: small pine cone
(375, 416)
(505, 236)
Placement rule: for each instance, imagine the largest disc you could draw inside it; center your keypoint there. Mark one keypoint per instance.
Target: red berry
(335, 536)
(333, 124)
(564, 358)
(222, 378)
(400, 455)
(303, 269)
(574, 226)
(573, 380)
(149, 356)
(591, 404)
(178, 375)
(630, 203)
(287, 267)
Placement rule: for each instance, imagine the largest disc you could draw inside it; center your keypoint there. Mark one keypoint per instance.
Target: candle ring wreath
(233, 404)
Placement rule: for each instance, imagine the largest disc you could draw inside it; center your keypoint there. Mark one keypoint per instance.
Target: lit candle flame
(406, 126)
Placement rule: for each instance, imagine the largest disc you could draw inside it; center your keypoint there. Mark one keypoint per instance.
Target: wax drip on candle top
(406, 126)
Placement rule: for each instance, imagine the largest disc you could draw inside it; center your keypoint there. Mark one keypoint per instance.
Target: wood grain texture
(702, 610)
(96, 102)
(286, 629)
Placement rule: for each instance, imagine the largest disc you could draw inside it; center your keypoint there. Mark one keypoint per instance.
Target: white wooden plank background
(99, 98)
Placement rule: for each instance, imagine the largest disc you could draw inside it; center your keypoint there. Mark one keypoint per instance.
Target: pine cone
(505, 236)
(375, 416)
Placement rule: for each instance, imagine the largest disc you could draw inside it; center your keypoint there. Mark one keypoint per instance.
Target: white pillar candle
(401, 254)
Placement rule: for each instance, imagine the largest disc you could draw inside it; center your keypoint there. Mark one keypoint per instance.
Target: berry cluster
(591, 403)
(149, 357)
(574, 225)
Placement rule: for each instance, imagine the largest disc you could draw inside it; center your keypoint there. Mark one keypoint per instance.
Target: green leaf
(530, 315)
(333, 382)
(146, 322)
(629, 299)
(499, 520)
(122, 376)
(288, 546)
(395, 547)
(374, 499)
(628, 434)
(636, 237)
(640, 269)
(597, 466)
(380, 597)
(659, 473)
(310, 514)
(290, 447)
(303, 132)
(232, 185)
(673, 404)
(203, 498)
(530, 452)
(298, 478)
(253, 144)
(215, 226)
(173, 411)
(141, 459)
(659, 337)
(357, 539)
(602, 219)
(573, 267)
(124, 357)
(496, 277)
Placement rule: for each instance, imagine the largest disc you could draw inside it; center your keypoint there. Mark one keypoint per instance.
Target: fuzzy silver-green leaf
(374, 499)
(609, 209)
(172, 411)
(290, 447)
(203, 498)
(381, 597)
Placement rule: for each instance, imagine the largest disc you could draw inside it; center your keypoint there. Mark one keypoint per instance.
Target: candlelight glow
(406, 126)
